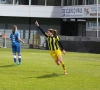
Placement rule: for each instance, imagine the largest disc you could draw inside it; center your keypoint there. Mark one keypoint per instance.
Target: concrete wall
(82, 46)
(91, 27)
(91, 33)
(73, 44)
(30, 11)
(26, 45)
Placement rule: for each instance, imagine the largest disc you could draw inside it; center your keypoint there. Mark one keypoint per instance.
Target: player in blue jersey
(15, 41)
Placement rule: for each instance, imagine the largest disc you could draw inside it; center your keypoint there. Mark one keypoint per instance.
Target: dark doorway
(69, 28)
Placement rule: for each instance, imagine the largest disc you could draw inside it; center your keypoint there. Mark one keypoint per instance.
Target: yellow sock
(63, 65)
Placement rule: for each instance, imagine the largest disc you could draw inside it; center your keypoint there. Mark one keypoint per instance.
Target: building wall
(91, 28)
(24, 25)
(80, 46)
(30, 11)
(48, 16)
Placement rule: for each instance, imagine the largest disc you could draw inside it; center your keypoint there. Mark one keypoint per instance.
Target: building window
(81, 2)
(53, 2)
(73, 2)
(89, 2)
(64, 2)
(6, 1)
(68, 2)
(96, 1)
(21, 2)
(37, 2)
(76, 2)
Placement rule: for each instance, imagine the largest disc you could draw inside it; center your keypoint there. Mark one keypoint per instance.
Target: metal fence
(34, 41)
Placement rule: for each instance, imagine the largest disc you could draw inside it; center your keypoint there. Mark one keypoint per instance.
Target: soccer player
(15, 41)
(54, 45)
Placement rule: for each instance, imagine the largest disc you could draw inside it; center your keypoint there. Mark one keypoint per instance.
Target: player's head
(50, 32)
(14, 28)
(54, 32)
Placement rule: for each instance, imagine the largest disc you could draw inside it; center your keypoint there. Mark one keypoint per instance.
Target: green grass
(39, 71)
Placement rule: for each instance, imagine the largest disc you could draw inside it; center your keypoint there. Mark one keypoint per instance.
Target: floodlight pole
(97, 20)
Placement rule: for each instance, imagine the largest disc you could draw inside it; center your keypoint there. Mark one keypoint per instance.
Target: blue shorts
(16, 48)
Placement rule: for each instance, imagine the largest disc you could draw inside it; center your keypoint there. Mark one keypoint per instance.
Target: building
(69, 17)
(82, 15)
(24, 13)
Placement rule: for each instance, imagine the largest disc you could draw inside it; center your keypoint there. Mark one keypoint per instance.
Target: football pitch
(39, 71)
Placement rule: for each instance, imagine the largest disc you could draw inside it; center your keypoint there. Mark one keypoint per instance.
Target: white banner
(80, 12)
(93, 11)
(72, 11)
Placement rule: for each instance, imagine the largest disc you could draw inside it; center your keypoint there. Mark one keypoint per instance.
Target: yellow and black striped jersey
(53, 42)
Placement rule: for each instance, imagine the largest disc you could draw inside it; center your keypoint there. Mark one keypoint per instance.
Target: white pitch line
(40, 53)
(85, 58)
(92, 59)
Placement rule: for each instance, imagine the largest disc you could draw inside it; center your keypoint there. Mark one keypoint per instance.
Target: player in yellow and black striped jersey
(54, 45)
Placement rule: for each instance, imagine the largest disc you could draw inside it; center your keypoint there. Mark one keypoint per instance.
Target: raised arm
(37, 24)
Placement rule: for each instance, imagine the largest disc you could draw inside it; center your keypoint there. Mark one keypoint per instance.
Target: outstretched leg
(62, 63)
(57, 62)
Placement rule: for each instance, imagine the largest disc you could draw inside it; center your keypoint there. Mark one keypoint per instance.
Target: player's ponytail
(14, 28)
(51, 30)
(55, 32)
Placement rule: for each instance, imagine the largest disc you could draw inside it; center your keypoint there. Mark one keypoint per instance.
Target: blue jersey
(14, 37)
(15, 42)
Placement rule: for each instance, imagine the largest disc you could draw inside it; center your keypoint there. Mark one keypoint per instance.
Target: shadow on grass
(5, 66)
(49, 76)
